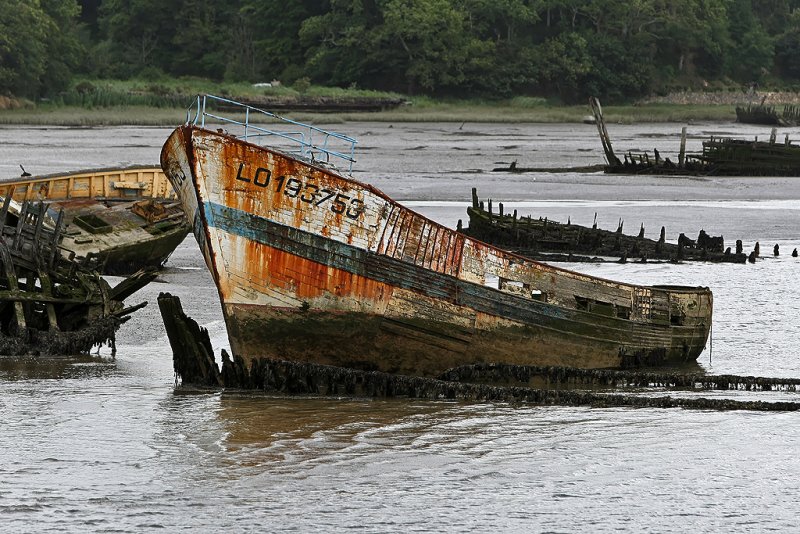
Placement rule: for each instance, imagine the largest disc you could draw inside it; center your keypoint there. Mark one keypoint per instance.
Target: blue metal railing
(334, 146)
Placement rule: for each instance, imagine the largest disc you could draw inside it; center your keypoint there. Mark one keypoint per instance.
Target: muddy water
(108, 445)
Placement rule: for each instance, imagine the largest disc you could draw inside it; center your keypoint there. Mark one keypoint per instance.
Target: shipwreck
(719, 156)
(118, 220)
(549, 240)
(49, 303)
(768, 114)
(316, 268)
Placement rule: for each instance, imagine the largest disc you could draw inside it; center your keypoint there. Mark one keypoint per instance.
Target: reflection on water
(101, 444)
(258, 421)
(53, 367)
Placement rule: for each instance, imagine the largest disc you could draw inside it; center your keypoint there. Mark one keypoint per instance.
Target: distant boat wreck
(719, 157)
(768, 115)
(118, 220)
(548, 240)
(319, 104)
(315, 267)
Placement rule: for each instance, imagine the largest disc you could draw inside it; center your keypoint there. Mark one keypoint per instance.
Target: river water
(109, 445)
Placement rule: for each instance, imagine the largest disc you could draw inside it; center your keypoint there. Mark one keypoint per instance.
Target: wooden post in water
(682, 153)
(192, 354)
(605, 140)
(772, 136)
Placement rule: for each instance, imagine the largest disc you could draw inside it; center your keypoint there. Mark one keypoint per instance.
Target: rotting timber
(50, 304)
(547, 240)
(314, 266)
(719, 157)
(768, 114)
(195, 366)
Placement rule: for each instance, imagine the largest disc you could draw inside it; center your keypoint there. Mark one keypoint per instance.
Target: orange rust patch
(307, 279)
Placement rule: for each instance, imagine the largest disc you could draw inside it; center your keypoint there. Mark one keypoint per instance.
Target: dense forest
(567, 49)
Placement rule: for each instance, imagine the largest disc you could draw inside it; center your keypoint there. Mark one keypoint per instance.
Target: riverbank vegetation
(561, 50)
(115, 109)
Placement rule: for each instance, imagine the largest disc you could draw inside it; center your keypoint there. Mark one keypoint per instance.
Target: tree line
(615, 49)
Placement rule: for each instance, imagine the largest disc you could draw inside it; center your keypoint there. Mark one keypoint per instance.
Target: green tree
(202, 46)
(65, 50)
(139, 34)
(689, 39)
(38, 46)
(752, 53)
(341, 46)
(500, 20)
(562, 63)
(276, 49)
(432, 35)
(787, 48)
(619, 70)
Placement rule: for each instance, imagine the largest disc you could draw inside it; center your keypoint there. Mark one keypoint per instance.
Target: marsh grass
(164, 103)
(445, 112)
(74, 116)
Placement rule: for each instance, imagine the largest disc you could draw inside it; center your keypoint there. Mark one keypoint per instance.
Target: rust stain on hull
(314, 266)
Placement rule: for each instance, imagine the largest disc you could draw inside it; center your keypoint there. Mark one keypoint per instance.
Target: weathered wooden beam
(12, 281)
(192, 354)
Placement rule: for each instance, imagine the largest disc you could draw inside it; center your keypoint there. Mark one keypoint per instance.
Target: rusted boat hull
(119, 220)
(313, 266)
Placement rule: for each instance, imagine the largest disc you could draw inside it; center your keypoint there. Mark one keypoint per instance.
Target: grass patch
(164, 103)
(428, 112)
(74, 116)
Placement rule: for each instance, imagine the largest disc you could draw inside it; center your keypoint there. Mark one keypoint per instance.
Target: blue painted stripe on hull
(397, 273)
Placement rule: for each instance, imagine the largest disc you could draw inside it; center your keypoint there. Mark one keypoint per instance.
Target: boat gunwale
(82, 172)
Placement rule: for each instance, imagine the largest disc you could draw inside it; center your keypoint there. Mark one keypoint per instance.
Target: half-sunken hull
(314, 266)
(119, 220)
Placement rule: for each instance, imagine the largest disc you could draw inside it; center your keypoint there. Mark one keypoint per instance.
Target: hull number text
(307, 192)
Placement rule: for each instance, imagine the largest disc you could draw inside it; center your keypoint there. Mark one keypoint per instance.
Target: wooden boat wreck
(118, 220)
(762, 113)
(315, 267)
(719, 157)
(548, 240)
(50, 304)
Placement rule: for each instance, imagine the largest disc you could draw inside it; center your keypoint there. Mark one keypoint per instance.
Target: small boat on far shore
(119, 220)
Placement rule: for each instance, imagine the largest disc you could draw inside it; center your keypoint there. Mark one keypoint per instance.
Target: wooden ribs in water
(49, 304)
(544, 239)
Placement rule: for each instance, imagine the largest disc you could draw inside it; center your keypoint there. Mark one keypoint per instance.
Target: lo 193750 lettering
(306, 191)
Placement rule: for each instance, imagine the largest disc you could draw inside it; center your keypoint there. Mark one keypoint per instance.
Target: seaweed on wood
(49, 303)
